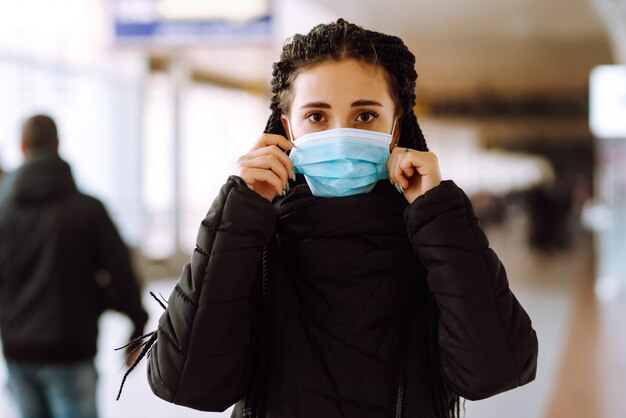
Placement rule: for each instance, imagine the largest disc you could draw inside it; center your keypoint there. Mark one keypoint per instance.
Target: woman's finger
(406, 166)
(270, 150)
(390, 171)
(396, 174)
(272, 139)
(268, 162)
(253, 176)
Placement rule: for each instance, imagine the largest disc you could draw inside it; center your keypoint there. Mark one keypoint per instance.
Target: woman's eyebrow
(363, 102)
(317, 105)
(358, 103)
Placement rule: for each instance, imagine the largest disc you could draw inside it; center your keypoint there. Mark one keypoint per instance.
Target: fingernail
(397, 186)
(287, 187)
(401, 189)
(293, 174)
(293, 144)
(284, 192)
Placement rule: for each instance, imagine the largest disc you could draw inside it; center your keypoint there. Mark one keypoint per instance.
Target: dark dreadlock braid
(259, 304)
(343, 40)
(445, 403)
(250, 401)
(144, 346)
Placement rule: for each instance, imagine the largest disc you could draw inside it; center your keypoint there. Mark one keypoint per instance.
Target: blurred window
(217, 126)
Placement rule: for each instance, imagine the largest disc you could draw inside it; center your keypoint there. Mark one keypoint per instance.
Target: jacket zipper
(400, 393)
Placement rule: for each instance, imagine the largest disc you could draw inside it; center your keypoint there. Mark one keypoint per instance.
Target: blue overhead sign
(138, 22)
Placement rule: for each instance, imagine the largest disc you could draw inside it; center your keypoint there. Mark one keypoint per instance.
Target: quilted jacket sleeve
(201, 356)
(487, 343)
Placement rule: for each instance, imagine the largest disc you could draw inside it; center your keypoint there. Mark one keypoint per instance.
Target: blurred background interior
(524, 101)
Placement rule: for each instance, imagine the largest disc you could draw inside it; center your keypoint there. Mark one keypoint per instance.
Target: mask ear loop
(393, 129)
(293, 173)
(290, 132)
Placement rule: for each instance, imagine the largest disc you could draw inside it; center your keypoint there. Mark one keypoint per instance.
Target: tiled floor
(549, 287)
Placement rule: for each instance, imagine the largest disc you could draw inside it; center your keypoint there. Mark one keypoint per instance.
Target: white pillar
(179, 72)
(607, 113)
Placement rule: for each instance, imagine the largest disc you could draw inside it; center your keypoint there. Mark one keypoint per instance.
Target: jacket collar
(378, 212)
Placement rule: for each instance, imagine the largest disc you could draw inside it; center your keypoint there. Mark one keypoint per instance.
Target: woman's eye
(366, 117)
(315, 117)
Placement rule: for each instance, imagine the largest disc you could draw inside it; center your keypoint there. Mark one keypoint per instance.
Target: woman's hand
(266, 169)
(413, 172)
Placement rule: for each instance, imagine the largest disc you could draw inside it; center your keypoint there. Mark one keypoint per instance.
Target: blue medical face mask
(342, 162)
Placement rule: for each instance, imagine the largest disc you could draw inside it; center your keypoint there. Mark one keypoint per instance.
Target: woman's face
(341, 94)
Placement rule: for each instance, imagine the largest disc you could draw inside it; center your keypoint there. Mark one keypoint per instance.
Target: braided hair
(338, 41)
(342, 40)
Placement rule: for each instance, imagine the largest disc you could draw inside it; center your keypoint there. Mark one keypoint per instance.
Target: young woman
(337, 275)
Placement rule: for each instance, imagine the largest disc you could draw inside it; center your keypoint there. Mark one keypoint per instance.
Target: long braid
(274, 125)
(250, 400)
(396, 58)
(438, 391)
(266, 305)
(414, 131)
(254, 404)
(145, 347)
(446, 404)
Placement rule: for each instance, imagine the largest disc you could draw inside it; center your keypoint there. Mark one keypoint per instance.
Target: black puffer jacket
(62, 263)
(345, 295)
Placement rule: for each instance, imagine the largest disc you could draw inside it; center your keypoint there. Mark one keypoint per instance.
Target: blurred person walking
(62, 263)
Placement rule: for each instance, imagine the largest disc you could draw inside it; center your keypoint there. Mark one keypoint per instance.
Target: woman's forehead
(339, 82)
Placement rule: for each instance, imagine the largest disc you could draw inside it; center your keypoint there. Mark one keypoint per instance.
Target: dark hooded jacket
(315, 307)
(62, 262)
